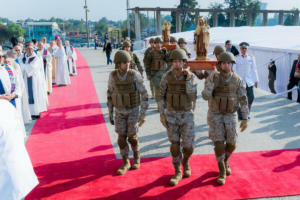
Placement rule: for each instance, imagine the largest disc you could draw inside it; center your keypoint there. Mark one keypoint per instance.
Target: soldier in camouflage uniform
(127, 94)
(178, 92)
(173, 41)
(147, 67)
(156, 59)
(225, 91)
(134, 62)
(182, 44)
(218, 50)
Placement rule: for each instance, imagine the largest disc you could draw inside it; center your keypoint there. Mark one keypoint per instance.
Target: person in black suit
(272, 76)
(230, 48)
(108, 49)
(294, 78)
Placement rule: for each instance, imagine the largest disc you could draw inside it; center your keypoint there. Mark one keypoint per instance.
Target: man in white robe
(52, 48)
(62, 77)
(44, 42)
(17, 177)
(22, 100)
(46, 59)
(72, 57)
(8, 87)
(34, 81)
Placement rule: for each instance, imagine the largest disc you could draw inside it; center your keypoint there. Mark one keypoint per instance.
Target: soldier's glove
(148, 77)
(163, 120)
(142, 119)
(111, 118)
(243, 124)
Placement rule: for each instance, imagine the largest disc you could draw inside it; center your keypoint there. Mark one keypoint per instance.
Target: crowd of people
(229, 91)
(28, 72)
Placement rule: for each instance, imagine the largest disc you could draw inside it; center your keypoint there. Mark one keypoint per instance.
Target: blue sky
(111, 9)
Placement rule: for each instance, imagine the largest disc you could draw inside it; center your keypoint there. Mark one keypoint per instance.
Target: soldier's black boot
(222, 173)
(177, 176)
(136, 160)
(125, 166)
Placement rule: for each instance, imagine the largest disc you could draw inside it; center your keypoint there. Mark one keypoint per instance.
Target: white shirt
(246, 68)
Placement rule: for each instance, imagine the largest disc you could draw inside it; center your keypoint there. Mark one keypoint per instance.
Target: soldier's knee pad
(230, 147)
(219, 148)
(175, 149)
(188, 151)
(122, 142)
(133, 140)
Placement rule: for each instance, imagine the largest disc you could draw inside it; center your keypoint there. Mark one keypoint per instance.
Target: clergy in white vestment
(46, 59)
(52, 48)
(22, 100)
(61, 72)
(44, 42)
(72, 57)
(34, 80)
(17, 177)
(8, 88)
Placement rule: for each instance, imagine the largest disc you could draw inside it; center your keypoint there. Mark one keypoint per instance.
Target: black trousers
(271, 86)
(290, 86)
(250, 96)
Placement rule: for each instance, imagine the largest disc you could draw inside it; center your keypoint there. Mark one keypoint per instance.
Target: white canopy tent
(281, 43)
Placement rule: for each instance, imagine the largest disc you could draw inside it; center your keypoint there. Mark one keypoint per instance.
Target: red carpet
(73, 157)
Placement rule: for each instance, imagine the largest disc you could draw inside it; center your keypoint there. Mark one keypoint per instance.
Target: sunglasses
(244, 48)
(2, 56)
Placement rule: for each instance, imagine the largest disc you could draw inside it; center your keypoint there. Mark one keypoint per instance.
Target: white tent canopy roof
(277, 37)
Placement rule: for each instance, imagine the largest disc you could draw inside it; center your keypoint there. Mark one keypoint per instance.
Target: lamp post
(87, 24)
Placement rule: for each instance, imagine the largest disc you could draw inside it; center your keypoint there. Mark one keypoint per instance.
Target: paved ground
(274, 121)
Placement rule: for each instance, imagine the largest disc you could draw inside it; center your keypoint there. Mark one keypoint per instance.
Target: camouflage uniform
(128, 95)
(135, 62)
(156, 59)
(224, 97)
(178, 98)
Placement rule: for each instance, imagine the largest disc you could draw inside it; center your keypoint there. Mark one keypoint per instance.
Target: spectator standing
(272, 76)
(108, 49)
(294, 78)
(230, 48)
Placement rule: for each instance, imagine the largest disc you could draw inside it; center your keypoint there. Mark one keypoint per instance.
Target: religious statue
(166, 30)
(201, 39)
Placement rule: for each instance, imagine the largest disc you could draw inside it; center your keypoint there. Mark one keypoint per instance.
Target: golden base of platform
(205, 64)
(170, 46)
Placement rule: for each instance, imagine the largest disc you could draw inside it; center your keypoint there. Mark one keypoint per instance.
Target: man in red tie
(294, 78)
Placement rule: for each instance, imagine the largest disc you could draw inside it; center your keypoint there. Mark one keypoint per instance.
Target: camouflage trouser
(181, 129)
(222, 127)
(155, 79)
(126, 125)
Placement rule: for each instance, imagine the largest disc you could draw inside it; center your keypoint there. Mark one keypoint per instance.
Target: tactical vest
(176, 97)
(132, 62)
(225, 99)
(126, 95)
(157, 62)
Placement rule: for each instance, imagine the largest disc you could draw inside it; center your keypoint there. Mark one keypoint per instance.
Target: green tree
(15, 30)
(289, 18)
(3, 34)
(241, 18)
(222, 18)
(187, 18)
